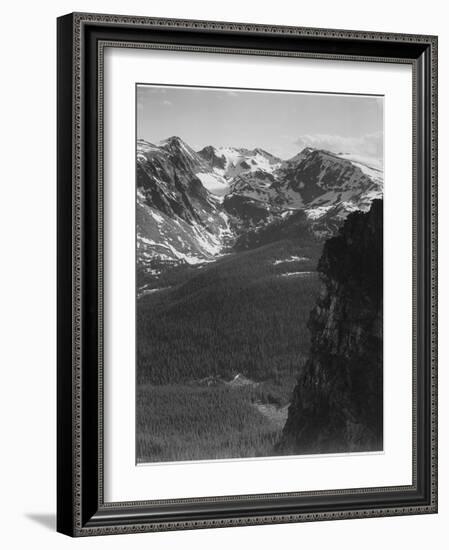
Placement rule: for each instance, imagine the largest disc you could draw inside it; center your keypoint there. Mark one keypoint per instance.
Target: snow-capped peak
(230, 162)
(368, 166)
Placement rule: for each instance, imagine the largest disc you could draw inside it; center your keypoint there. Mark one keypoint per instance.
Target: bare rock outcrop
(337, 404)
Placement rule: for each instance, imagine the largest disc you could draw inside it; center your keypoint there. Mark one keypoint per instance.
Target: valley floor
(219, 350)
(192, 422)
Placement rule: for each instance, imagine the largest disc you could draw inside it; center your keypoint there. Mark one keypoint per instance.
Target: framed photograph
(246, 274)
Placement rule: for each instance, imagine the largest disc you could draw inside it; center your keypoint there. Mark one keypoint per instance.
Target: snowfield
(214, 183)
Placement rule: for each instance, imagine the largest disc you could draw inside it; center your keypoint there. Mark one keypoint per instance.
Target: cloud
(369, 146)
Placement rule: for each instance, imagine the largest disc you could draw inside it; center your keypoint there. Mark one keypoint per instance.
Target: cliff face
(338, 400)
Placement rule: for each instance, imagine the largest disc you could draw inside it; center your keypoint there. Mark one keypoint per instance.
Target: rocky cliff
(338, 400)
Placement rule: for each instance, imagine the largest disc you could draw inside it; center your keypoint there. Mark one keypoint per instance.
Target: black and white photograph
(247, 278)
(259, 273)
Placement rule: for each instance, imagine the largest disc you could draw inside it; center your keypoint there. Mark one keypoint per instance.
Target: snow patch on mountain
(157, 217)
(214, 183)
(229, 162)
(291, 259)
(147, 289)
(297, 274)
(174, 241)
(318, 212)
(374, 173)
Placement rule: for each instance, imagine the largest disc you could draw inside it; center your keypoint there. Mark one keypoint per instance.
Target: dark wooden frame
(81, 509)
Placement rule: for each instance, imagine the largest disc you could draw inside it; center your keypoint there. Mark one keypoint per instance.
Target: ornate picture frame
(81, 508)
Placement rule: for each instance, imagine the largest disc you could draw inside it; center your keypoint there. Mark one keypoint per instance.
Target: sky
(282, 123)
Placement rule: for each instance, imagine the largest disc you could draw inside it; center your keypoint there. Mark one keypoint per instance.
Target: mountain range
(196, 206)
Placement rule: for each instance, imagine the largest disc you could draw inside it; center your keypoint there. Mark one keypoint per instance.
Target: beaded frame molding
(82, 37)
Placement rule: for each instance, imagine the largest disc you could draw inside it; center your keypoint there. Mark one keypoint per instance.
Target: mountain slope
(323, 185)
(233, 161)
(178, 220)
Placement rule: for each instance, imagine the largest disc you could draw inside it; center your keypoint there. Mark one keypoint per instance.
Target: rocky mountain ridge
(193, 206)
